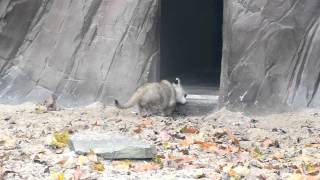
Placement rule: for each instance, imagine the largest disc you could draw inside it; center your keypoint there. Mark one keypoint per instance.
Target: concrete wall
(271, 55)
(95, 50)
(84, 51)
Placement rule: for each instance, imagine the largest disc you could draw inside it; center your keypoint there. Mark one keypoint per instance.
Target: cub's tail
(132, 101)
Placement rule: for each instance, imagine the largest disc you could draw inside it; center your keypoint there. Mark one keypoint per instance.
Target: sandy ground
(222, 145)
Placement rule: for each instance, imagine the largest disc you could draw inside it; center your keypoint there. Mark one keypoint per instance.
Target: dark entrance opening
(191, 43)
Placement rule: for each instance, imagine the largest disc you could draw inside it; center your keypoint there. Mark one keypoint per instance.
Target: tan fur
(155, 98)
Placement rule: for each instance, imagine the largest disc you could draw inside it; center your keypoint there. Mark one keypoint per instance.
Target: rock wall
(96, 50)
(271, 55)
(83, 51)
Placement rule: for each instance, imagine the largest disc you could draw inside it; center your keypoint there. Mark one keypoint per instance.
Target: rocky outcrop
(96, 50)
(271, 55)
(83, 51)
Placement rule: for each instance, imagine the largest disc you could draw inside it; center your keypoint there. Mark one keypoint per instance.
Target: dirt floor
(223, 145)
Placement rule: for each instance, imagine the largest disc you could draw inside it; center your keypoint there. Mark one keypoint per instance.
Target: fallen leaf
(200, 176)
(295, 177)
(7, 142)
(316, 145)
(187, 141)
(164, 135)
(242, 171)
(40, 109)
(312, 169)
(98, 166)
(256, 153)
(158, 159)
(82, 160)
(232, 173)
(57, 175)
(92, 156)
(138, 130)
(267, 143)
(146, 123)
(126, 164)
(77, 173)
(148, 166)
(207, 146)
(60, 139)
(232, 137)
(189, 130)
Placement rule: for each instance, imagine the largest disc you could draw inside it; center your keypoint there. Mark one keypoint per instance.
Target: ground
(221, 145)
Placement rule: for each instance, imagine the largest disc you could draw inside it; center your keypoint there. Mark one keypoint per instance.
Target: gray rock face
(111, 146)
(271, 55)
(98, 50)
(83, 51)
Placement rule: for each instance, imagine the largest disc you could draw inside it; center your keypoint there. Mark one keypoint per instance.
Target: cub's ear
(177, 81)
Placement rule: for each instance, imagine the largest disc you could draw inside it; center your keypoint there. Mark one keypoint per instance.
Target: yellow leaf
(295, 177)
(166, 145)
(41, 109)
(92, 156)
(126, 164)
(98, 166)
(158, 159)
(57, 175)
(60, 139)
(82, 160)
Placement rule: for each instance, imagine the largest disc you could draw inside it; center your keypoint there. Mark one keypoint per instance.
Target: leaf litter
(218, 146)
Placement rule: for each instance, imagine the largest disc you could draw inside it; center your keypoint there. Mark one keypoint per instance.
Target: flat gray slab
(112, 146)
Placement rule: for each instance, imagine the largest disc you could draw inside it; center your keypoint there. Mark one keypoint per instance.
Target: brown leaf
(189, 130)
(145, 123)
(232, 137)
(187, 142)
(98, 166)
(146, 167)
(138, 130)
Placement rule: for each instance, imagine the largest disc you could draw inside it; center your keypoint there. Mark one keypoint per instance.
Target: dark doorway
(191, 42)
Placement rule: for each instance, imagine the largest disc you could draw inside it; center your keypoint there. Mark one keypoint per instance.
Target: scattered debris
(108, 144)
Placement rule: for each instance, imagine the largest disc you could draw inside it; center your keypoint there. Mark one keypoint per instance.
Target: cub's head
(181, 95)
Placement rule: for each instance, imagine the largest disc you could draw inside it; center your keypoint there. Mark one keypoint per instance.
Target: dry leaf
(164, 136)
(146, 123)
(189, 130)
(232, 137)
(138, 130)
(126, 164)
(7, 142)
(98, 166)
(207, 146)
(242, 171)
(316, 145)
(312, 169)
(158, 159)
(92, 156)
(57, 175)
(60, 139)
(232, 173)
(148, 166)
(77, 173)
(40, 109)
(187, 142)
(82, 160)
(267, 143)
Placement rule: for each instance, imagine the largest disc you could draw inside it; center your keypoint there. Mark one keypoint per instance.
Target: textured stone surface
(111, 146)
(84, 51)
(271, 54)
(97, 50)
